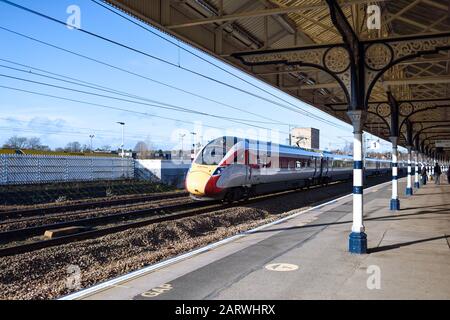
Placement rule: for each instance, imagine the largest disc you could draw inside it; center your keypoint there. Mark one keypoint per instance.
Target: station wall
(170, 172)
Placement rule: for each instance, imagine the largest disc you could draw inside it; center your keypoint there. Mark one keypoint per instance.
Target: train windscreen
(215, 151)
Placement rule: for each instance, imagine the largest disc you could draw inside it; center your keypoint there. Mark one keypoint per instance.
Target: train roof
(286, 149)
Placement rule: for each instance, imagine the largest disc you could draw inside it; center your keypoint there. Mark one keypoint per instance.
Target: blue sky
(57, 122)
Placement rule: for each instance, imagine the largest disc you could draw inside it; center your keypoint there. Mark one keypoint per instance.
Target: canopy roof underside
(246, 33)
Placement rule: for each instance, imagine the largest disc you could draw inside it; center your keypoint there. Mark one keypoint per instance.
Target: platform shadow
(381, 218)
(427, 194)
(403, 244)
(437, 205)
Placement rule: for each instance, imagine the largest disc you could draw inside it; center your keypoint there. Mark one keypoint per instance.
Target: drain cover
(281, 267)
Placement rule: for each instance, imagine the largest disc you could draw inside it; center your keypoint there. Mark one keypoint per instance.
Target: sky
(56, 121)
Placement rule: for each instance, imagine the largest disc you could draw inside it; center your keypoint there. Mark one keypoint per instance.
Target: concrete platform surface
(306, 257)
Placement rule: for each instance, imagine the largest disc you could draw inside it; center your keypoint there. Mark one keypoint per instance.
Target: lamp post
(290, 135)
(366, 146)
(193, 145)
(123, 133)
(182, 145)
(91, 137)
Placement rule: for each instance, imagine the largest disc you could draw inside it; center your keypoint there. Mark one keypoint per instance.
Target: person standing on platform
(448, 175)
(437, 173)
(423, 174)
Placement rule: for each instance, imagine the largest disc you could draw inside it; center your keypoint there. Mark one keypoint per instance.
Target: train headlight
(218, 171)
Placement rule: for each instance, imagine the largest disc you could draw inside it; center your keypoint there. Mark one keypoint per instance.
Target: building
(305, 138)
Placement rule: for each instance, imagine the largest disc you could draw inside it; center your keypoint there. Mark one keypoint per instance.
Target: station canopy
(323, 52)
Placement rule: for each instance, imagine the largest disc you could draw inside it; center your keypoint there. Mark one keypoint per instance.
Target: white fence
(25, 169)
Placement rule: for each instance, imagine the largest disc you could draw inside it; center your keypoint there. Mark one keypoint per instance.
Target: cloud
(39, 123)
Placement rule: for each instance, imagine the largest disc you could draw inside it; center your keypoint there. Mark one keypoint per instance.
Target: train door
(330, 167)
(241, 162)
(322, 169)
(318, 168)
(255, 162)
(252, 162)
(326, 167)
(248, 177)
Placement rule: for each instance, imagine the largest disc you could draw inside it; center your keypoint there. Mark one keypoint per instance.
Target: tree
(142, 150)
(348, 149)
(32, 143)
(86, 148)
(16, 142)
(73, 147)
(149, 144)
(105, 148)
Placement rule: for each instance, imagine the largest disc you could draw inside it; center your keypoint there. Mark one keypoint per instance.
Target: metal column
(409, 189)
(358, 238)
(416, 170)
(395, 202)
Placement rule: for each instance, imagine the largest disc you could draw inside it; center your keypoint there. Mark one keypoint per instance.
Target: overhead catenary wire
(45, 125)
(111, 90)
(104, 106)
(162, 105)
(110, 97)
(189, 51)
(293, 108)
(175, 44)
(122, 70)
(124, 46)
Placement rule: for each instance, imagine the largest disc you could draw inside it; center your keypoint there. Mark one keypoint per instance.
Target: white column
(409, 190)
(416, 170)
(395, 203)
(357, 184)
(357, 238)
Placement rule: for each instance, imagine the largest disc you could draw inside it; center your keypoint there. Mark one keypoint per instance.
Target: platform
(410, 249)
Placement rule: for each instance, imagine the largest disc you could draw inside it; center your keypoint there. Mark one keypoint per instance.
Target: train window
(240, 157)
(214, 152)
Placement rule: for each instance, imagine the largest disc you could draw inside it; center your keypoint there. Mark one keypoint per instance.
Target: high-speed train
(231, 168)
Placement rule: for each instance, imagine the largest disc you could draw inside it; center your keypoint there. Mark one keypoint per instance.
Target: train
(232, 168)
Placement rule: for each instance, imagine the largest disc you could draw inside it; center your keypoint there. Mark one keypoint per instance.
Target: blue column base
(357, 243)
(395, 204)
(417, 185)
(409, 191)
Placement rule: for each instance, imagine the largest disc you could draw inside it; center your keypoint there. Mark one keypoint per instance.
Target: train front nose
(196, 182)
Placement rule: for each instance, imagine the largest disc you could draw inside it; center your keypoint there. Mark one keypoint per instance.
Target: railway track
(151, 215)
(160, 214)
(98, 226)
(10, 214)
